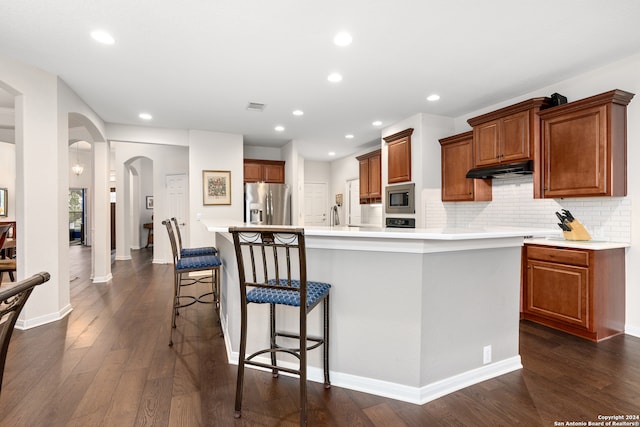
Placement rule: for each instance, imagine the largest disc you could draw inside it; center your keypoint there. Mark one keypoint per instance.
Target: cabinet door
(252, 172)
(558, 292)
(364, 180)
(575, 153)
(399, 164)
(514, 137)
(457, 159)
(375, 176)
(274, 173)
(486, 137)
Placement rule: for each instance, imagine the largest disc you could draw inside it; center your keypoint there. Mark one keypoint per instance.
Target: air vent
(256, 106)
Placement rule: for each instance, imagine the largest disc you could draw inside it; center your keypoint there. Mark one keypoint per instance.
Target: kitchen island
(415, 313)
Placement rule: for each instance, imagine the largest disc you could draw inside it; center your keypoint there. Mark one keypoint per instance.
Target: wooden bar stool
(272, 270)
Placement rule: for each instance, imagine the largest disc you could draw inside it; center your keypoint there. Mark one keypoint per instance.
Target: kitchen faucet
(335, 218)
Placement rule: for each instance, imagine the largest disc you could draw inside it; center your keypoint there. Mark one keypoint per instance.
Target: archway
(94, 177)
(137, 197)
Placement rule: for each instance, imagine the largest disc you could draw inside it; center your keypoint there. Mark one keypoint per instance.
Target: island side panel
(470, 300)
(375, 320)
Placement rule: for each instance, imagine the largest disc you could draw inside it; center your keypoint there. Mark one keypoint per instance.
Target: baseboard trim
(103, 279)
(415, 395)
(632, 330)
(43, 320)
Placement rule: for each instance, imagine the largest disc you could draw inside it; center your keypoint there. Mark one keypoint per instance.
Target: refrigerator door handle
(269, 207)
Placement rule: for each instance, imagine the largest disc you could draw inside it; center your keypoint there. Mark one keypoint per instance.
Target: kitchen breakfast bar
(415, 314)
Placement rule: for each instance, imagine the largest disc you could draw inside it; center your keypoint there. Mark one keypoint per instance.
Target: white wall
(144, 168)
(163, 160)
(294, 176)
(42, 107)
(213, 151)
(85, 158)
(262, 153)
(316, 171)
(36, 141)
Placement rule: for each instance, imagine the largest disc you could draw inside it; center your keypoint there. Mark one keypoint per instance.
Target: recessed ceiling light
(377, 123)
(332, 153)
(145, 116)
(334, 78)
(298, 112)
(342, 39)
(348, 136)
(102, 37)
(279, 128)
(433, 97)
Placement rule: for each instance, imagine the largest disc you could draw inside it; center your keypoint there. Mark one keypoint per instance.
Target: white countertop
(403, 233)
(596, 245)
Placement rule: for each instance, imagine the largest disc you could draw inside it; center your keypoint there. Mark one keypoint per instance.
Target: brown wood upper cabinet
(507, 135)
(457, 159)
(370, 177)
(264, 171)
(399, 156)
(584, 148)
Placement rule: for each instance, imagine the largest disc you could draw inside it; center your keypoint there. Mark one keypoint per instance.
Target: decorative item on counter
(571, 227)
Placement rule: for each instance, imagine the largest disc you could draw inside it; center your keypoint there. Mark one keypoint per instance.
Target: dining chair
(7, 265)
(272, 269)
(187, 252)
(182, 269)
(12, 298)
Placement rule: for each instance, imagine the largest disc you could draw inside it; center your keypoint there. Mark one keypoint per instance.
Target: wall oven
(400, 199)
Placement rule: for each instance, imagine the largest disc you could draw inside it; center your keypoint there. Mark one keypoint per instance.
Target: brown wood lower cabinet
(578, 291)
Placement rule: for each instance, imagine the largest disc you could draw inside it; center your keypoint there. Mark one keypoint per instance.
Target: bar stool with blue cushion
(187, 252)
(182, 266)
(272, 270)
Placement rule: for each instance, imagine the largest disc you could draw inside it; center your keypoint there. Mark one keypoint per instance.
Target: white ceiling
(196, 64)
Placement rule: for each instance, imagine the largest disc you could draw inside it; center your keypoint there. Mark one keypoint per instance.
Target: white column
(101, 231)
(41, 178)
(123, 248)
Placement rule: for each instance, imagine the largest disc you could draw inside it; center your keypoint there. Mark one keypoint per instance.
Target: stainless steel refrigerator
(267, 204)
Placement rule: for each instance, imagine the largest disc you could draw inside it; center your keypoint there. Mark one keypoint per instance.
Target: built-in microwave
(400, 199)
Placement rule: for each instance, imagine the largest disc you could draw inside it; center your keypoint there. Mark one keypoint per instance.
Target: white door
(353, 202)
(178, 203)
(316, 203)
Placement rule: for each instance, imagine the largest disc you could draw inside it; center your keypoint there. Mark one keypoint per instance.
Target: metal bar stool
(187, 252)
(182, 266)
(12, 299)
(272, 270)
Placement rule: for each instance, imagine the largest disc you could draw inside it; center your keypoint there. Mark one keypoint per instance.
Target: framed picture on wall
(149, 202)
(216, 187)
(3, 202)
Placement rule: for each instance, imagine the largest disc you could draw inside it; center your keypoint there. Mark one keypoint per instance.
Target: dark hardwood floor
(108, 364)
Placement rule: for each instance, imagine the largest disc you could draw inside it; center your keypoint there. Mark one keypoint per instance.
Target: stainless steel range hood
(519, 168)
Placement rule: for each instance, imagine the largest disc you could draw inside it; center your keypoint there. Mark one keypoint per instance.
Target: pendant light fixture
(77, 168)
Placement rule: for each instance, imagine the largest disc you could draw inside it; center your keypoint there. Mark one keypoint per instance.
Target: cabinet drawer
(562, 256)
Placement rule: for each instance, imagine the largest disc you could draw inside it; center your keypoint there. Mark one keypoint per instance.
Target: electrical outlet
(486, 354)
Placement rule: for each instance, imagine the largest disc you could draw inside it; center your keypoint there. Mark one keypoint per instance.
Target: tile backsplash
(606, 218)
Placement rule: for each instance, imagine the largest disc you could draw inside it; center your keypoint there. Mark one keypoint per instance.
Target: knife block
(578, 232)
